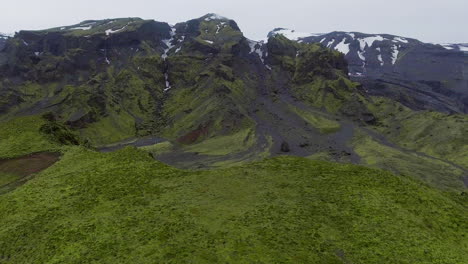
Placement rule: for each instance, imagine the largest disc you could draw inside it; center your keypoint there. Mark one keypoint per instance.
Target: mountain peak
(291, 34)
(213, 16)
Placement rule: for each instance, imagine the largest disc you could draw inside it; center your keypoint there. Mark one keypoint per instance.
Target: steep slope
(105, 76)
(420, 75)
(215, 98)
(119, 78)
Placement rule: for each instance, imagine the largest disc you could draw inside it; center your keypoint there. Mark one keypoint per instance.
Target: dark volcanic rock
(285, 147)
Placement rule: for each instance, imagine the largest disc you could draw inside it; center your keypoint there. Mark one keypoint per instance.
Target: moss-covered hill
(124, 207)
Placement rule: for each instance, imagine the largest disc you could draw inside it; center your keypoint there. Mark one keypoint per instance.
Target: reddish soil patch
(194, 135)
(30, 164)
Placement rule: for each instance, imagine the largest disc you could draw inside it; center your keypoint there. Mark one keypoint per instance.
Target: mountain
(137, 78)
(3, 39)
(420, 75)
(463, 47)
(201, 87)
(130, 140)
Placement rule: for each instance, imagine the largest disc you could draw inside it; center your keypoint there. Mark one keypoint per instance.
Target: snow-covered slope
(434, 74)
(292, 34)
(363, 51)
(457, 47)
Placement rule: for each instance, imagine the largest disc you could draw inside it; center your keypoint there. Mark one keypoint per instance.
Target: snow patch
(352, 35)
(220, 26)
(379, 57)
(395, 52)
(369, 41)
(169, 46)
(293, 35)
(400, 39)
(110, 31)
(215, 17)
(82, 28)
(330, 43)
(168, 84)
(168, 43)
(209, 41)
(256, 47)
(342, 47)
(361, 55)
(448, 46)
(463, 48)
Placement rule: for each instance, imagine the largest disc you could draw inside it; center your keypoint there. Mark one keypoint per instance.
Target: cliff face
(149, 77)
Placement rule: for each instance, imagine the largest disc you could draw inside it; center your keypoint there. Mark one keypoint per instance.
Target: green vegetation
(124, 207)
(6, 178)
(22, 136)
(91, 27)
(436, 172)
(159, 148)
(110, 129)
(319, 121)
(224, 145)
(435, 134)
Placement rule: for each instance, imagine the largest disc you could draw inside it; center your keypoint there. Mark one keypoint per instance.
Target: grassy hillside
(124, 207)
(436, 172)
(435, 134)
(21, 136)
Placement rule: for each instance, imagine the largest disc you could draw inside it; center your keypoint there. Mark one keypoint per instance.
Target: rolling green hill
(124, 207)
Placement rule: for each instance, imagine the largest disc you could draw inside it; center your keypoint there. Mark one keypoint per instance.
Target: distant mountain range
(420, 75)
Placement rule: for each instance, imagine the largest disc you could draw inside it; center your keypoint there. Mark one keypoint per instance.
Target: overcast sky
(428, 20)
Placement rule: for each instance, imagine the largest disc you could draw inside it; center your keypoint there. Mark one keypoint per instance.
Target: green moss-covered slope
(124, 207)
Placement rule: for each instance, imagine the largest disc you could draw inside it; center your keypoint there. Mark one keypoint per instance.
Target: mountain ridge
(201, 83)
(433, 76)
